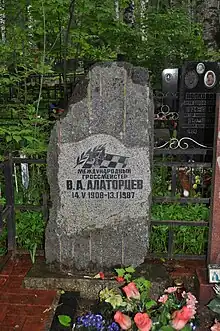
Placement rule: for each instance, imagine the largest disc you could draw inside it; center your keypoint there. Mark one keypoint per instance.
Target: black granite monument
(199, 82)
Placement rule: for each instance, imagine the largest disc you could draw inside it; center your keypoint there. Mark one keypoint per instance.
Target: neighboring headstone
(198, 86)
(99, 171)
(170, 89)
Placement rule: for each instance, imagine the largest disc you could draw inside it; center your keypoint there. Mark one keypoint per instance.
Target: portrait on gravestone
(210, 79)
(200, 68)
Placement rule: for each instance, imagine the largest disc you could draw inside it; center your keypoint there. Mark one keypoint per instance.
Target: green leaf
(8, 138)
(186, 328)
(64, 320)
(120, 272)
(130, 270)
(150, 304)
(17, 138)
(214, 305)
(127, 277)
(167, 328)
(115, 300)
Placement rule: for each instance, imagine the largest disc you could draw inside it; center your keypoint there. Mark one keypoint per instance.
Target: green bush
(30, 227)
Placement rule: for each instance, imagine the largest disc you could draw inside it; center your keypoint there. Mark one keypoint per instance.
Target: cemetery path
(23, 309)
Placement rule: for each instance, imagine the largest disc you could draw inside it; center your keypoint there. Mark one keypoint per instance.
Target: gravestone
(170, 88)
(198, 86)
(99, 171)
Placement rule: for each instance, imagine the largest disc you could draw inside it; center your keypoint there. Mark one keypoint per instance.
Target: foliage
(132, 308)
(46, 31)
(187, 239)
(40, 37)
(199, 180)
(169, 37)
(125, 273)
(214, 305)
(64, 320)
(176, 211)
(30, 228)
(37, 185)
(3, 241)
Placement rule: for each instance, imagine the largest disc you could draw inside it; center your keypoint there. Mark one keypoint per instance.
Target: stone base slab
(41, 276)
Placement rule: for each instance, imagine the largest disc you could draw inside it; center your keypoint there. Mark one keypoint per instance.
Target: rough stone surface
(41, 276)
(99, 171)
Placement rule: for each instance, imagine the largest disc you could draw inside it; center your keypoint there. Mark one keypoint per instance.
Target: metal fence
(7, 211)
(172, 157)
(172, 161)
(15, 95)
(178, 163)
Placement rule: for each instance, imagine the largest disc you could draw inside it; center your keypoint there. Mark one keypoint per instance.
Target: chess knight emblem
(98, 158)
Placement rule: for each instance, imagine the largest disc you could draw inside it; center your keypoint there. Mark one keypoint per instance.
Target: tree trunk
(208, 13)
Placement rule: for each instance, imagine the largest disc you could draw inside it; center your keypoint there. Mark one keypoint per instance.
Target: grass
(187, 239)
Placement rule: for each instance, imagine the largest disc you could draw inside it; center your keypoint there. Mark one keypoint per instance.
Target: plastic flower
(163, 298)
(123, 320)
(191, 300)
(170, 290)
(131, 291)
(91, 320)
(101, 275)
(115, 300)
(182, 317)
(113, 327)
(216, 326)
(143, 321)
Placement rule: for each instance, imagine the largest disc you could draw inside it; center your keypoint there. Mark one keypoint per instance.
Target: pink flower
(131, 291)
(181, 317)
(178, 324)
(191, 300)
(143, 321)
(170, 290)
(123, 320)
(163, 298)
(120, 279)
(216, 326)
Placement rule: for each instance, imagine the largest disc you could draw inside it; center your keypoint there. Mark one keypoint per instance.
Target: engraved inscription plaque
(197, 102)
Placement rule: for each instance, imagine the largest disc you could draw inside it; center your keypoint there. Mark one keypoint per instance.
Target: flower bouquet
(131, 308)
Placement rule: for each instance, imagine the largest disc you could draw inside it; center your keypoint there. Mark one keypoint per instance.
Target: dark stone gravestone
(166, 107)
(99, 171)
(198, 86)
(170, 88)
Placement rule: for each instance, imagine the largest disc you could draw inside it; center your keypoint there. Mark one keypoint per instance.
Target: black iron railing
(7, 213)
(175, 161)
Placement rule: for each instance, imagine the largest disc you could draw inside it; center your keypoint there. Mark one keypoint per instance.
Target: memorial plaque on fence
(99, 171)
(198, 86)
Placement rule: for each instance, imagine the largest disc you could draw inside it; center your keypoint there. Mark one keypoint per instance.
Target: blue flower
(113, 327)
(193, 326)
(92, 320)
(99, 317)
